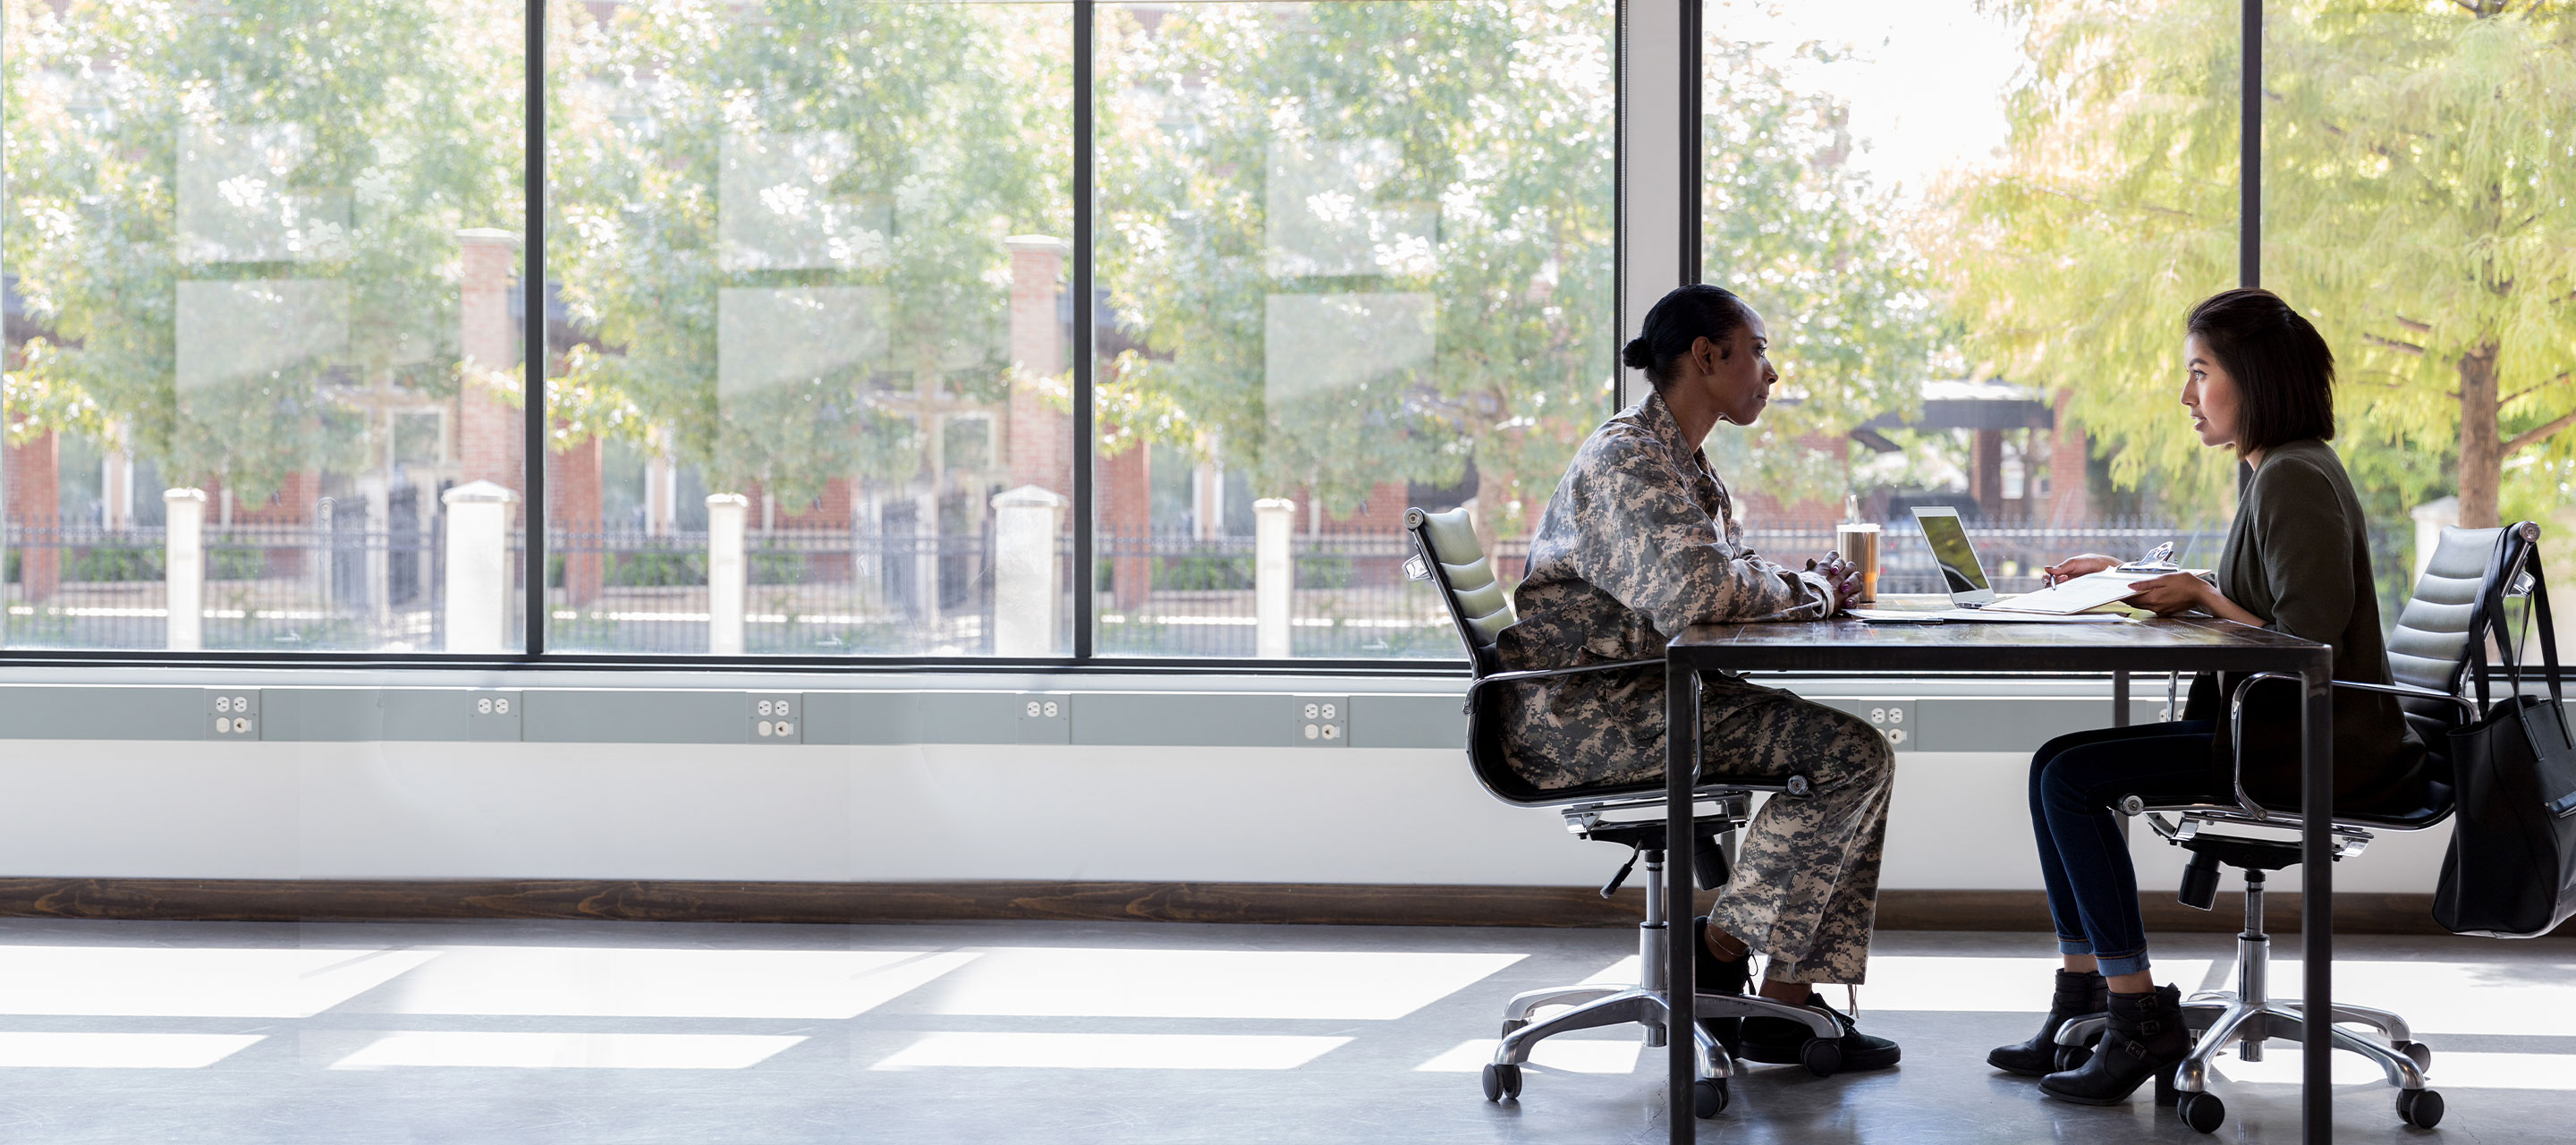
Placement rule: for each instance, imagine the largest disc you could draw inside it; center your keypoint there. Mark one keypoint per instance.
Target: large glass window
(810, 318)
(2419, 202)
(260, 262)
(1353, 257)
(1972, 229)
(808, 383)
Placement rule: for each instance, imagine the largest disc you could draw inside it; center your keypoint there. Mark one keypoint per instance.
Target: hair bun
(1637, 355)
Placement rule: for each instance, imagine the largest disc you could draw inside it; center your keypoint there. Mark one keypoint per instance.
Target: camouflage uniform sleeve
(1660, 554)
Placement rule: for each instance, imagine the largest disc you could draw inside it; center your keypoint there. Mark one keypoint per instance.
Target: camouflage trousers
(1804, 894)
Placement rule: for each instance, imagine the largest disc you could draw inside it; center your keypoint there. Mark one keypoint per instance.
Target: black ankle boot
(2079, 994)
(2145, 1040)
(1715, 975)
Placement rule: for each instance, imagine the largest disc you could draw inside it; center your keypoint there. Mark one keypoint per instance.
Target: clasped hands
(2163, 595)
(1840, 573)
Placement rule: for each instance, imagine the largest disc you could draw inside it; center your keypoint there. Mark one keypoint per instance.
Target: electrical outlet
(1044, 717)
(1321, 721)
(777, 719)
(1889, 718)
(493, 716)
(232, 713)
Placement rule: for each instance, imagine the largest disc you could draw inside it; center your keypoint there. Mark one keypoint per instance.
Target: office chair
(2427, 656)
(1448, 554)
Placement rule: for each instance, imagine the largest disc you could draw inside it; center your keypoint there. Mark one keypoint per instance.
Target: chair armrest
(1546, 673)
(2236, 721)
(1481, 682)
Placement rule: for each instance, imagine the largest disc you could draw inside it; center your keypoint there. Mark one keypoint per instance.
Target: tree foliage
(1366, 242)
(783, 226)
(231, 217)
(1790, 225)
(2418, 173)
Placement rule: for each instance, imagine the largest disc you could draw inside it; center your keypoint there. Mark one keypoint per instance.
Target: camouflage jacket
(1639, 542)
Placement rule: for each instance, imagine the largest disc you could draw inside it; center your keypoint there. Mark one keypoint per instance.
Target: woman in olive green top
(2260, 381)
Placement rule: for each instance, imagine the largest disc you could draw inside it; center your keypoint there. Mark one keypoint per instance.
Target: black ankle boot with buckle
(1715, 975)
(2080, 994)
(2145, 1040)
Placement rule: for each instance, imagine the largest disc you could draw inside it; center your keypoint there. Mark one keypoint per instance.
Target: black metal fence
(839, 592)
(267, 587)
(809, 592)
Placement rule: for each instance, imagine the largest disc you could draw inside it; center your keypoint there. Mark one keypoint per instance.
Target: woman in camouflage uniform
(1640, 542)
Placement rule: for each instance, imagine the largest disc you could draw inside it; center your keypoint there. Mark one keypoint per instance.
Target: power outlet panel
(493, 716)
(1043, 717)
(1888, 716)
(777, 718)
(1321, 721)
(232, 713)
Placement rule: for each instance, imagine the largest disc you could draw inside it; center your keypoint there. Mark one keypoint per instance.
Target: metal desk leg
(2316, 905)
(2120, 698)
(1681, 772)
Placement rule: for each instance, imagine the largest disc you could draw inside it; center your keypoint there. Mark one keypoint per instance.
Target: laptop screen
(1950, 549)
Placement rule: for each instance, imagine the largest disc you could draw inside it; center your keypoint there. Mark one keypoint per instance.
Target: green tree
(783, 224)
(1790, 225)
(276, 183)
(2417, 180)
(1415, 198)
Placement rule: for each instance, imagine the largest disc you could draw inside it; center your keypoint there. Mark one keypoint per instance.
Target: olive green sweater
(2298, 555)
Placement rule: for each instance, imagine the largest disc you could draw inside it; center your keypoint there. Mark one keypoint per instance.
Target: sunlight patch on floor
(1112, 1051)
(25, 1050)
(496, 1050)
(1092, 982)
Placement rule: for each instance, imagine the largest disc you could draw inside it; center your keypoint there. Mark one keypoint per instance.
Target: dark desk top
(1845, 645)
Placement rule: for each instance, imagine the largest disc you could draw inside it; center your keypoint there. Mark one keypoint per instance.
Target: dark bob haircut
(2282, 369)
(1676, 322)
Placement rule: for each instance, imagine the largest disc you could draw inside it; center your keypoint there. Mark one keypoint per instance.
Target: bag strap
(2493, 618)
(2548, 643)
(2486, 613)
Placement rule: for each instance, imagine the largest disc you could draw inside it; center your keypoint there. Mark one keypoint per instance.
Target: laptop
(1961, 572)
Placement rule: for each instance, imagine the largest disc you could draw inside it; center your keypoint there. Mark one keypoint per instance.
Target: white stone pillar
(2431, 518)
(728, 572)
(478, 566)
(183, 567)
(1274, 574)
(1028, 579)
(378, 539)
(116, 490)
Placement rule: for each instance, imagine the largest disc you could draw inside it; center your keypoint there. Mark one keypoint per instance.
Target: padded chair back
(2430, 647)
(1446, 544)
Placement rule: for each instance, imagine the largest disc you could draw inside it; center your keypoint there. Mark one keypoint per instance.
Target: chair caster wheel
(2071, 1058)
(1708, 1098)
(1821, 1056)
(2421, 1108)
(2202, 1111)
(2421, 1054)
(1502, 1081)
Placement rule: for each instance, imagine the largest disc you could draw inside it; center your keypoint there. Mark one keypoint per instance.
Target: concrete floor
(505, 1032)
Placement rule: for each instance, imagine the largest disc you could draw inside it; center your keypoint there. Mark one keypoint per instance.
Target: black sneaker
(1715, 975)
(1777, 1041)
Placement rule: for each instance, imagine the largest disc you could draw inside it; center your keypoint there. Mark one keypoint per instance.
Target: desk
(1850, 647)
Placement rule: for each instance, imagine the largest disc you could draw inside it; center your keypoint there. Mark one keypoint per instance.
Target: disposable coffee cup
(1859, 545)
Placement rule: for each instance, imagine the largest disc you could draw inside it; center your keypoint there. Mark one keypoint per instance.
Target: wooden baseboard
(295, 900)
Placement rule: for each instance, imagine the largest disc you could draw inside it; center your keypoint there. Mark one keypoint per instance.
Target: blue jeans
(2074, 780)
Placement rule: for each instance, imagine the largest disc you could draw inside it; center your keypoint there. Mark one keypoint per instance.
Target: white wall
(521, 810)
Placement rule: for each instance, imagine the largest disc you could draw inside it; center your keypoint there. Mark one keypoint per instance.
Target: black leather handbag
(2511, 871)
